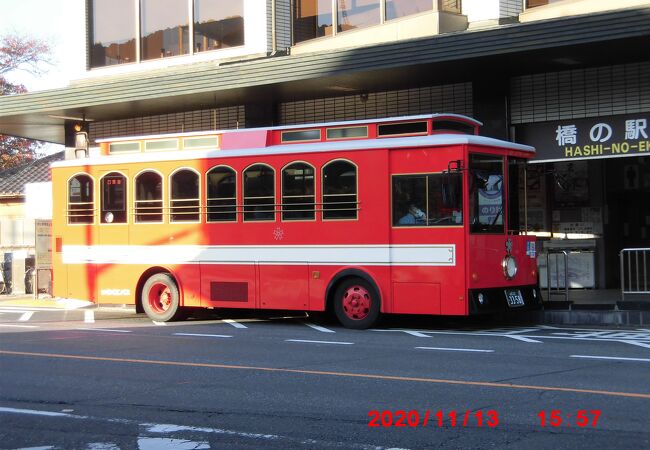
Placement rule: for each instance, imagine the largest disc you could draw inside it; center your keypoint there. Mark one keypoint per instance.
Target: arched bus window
(184, 198)
(81, 205)
(148, 197)
(113, 208)
(340, 190)
(222, 194)
(298, 200)
(259, 193)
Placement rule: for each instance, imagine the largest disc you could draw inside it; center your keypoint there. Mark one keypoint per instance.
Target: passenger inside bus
(414, 216)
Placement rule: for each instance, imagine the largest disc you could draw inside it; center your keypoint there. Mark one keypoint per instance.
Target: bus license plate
(514, 298)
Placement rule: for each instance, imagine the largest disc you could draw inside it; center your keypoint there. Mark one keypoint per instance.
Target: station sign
(598, 137)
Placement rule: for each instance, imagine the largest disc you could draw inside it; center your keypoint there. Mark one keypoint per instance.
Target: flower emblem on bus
(278, 234)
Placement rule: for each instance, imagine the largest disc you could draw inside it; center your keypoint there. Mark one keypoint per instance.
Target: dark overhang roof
(557, 44)
(13, 181)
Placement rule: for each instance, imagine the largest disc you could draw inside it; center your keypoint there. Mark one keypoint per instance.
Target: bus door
(113, 220)
(113, 208)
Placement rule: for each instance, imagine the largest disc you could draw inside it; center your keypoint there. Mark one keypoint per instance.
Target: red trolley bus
(412, 215)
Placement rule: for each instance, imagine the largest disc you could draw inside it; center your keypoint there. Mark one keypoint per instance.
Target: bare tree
(20, 53)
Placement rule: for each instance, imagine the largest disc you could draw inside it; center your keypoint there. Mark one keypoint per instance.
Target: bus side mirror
(449, 194)
(449, 186)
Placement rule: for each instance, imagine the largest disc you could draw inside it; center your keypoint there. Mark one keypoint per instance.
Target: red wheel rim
(356, 302)
(160, 297)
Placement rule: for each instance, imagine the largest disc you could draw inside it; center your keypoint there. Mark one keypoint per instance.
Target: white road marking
(522, 339)
(319, 328)
(168, 432)
(613, 358)
(89, 316)
(159, 324)
(319, 342)
(203, 335)
(234, 323)
(33, 412)
(456, 349)
(639, 339)
(417, 334)
(103, 329)
(26, 316)
(640, 344)
(19, 326)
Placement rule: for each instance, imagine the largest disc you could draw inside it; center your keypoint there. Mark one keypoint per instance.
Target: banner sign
(598, 137)
(43, 243)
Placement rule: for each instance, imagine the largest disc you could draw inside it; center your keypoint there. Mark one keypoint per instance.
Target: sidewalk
(28, 301)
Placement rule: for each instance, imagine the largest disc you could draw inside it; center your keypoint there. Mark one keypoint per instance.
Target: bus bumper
(510, 299)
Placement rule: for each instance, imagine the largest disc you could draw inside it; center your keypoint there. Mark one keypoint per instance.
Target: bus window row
(297, 200)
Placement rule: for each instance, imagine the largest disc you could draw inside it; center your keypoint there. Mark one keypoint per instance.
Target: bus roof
(434, 140)
(439, 116)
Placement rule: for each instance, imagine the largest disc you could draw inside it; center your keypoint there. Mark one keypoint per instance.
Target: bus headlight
(509, 265)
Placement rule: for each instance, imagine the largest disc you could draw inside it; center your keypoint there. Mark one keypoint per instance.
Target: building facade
(571, 77)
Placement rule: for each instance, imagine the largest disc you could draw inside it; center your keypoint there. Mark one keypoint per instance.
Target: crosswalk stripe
(26, 316)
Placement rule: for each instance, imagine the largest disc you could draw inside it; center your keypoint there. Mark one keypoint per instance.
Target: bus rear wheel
(356, 304)
(161, 299)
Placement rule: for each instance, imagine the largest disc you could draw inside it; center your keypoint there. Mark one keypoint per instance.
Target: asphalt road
(111, 380)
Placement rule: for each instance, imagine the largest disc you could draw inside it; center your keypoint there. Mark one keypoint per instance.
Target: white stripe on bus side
(403, 255)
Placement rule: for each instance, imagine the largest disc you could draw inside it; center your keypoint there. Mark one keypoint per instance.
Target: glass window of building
(259, 193)
(113, 32)
(358, 14)
(401, 8)
(222, 195)
(218, 24)
(298, 192)
(311, 19)
(81, 207)
(452, 6)
(165, 28)
(534, 3)
(113, 198)
(148, 197)
(340, 190)
(184, 199)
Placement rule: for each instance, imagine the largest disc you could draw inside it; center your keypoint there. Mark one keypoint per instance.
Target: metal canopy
(503, 51)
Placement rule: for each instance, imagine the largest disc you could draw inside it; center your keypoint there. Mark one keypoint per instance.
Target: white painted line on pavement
(521, 338)
(640, 344)
(411, 332)
(417, 334)
(103, 329)
(613, 358)
(319, 342)
(456, 349)
(319, 328)
(203, 335)
(89, 316)
(234, 323)
(26, 316)
(159, 324)
(19, 326)
(36, 412)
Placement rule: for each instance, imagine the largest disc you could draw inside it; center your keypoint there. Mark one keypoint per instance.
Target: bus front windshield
(486, 193)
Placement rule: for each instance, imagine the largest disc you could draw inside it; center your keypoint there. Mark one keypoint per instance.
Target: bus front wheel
(161, 299)
(356, 304)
